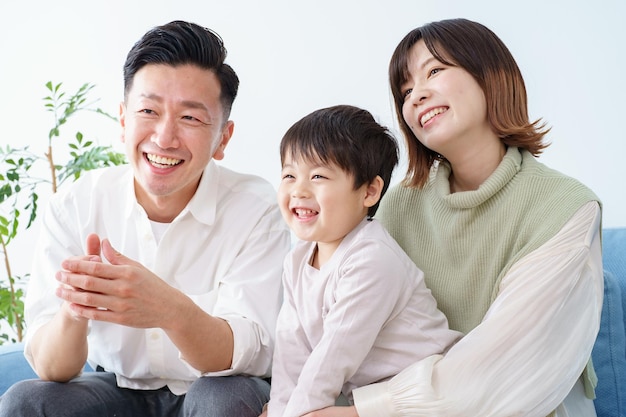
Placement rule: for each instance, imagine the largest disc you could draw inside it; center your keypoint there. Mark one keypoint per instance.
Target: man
(176, 294)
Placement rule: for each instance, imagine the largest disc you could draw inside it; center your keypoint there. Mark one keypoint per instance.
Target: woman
(510, 248)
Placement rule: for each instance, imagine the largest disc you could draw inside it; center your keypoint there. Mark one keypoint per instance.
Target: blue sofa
(609, 353)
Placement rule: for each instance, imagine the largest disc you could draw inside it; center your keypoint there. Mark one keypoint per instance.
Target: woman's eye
(434, 71)
(407, 93)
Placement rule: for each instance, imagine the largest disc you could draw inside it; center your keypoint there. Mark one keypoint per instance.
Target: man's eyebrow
(192, 104)
(150, 96)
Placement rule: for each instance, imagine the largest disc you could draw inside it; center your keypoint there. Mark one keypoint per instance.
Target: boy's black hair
(348, 137)
(181, 43)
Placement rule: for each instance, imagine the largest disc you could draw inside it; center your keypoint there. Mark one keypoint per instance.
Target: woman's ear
(373, 191)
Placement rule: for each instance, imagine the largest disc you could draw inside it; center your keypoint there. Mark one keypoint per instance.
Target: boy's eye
(318, 176)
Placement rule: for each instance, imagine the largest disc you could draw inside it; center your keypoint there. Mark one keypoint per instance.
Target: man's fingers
(93, 244)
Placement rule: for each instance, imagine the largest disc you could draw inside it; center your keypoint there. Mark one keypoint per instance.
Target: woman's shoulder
(555, 184)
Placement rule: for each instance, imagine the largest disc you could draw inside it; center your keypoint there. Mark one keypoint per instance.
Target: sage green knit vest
(466, 242)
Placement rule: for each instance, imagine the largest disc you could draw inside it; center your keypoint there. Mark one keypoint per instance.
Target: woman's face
(444, 106)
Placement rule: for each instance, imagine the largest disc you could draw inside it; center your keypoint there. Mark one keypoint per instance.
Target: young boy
(356, 309)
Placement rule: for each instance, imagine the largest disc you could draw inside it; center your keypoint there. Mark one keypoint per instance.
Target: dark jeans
(96, 394)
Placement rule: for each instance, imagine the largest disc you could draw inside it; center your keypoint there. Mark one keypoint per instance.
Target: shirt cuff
(249, 356)
(373, 400)
(410, 393)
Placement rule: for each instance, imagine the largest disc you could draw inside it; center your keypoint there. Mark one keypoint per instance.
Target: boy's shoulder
(372, 238)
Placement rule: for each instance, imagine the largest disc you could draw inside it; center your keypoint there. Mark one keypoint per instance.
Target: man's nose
(166, 134)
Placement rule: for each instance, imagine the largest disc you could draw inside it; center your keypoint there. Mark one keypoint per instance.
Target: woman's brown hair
(476, 49)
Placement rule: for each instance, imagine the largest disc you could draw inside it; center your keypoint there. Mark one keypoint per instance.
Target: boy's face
(319, 202)
(173, 124)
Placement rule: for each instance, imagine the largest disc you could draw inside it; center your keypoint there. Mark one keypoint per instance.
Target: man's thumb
(113, 256)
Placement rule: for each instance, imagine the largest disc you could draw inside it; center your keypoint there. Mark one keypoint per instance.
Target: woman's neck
(468, 173)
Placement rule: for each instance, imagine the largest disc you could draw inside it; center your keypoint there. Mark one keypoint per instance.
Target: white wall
(295, 56)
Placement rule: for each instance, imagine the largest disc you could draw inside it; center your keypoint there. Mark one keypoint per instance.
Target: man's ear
(123, 121)
(373, 191)
(227, 133)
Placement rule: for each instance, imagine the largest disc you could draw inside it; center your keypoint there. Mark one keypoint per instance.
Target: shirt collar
(203, 204)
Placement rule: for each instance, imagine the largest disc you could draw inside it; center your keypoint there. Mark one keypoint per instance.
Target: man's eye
(146, 111)
(193, 120)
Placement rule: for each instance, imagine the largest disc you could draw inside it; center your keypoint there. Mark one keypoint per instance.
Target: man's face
(172, 125)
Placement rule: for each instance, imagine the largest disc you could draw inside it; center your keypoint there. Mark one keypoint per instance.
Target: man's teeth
(425, 118)
(161, 160)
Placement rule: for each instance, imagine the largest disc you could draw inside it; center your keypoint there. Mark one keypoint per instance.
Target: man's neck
(162, 209)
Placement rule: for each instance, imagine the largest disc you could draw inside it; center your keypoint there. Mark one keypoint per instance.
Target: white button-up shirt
(224, 250)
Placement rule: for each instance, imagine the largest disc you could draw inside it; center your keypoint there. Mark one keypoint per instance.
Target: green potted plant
(20, 186)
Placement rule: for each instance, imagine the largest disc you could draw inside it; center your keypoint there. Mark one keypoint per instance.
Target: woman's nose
(418, 95)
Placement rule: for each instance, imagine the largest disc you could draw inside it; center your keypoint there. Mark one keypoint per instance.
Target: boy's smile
(319, 202)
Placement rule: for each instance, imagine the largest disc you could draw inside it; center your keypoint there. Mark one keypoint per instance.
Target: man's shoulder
(99, 181)
(240, 182)
(106, 174)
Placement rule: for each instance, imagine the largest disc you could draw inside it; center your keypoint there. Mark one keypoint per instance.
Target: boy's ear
(373, 191)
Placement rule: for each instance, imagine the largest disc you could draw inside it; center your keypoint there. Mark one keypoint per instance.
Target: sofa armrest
(608, 355)
(609, 352)
(14, 367)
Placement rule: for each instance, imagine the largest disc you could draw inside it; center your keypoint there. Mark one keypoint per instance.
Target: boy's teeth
(304, 212)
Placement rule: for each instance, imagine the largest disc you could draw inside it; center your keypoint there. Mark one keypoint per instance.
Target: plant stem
(7, 266)
(53, 171)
